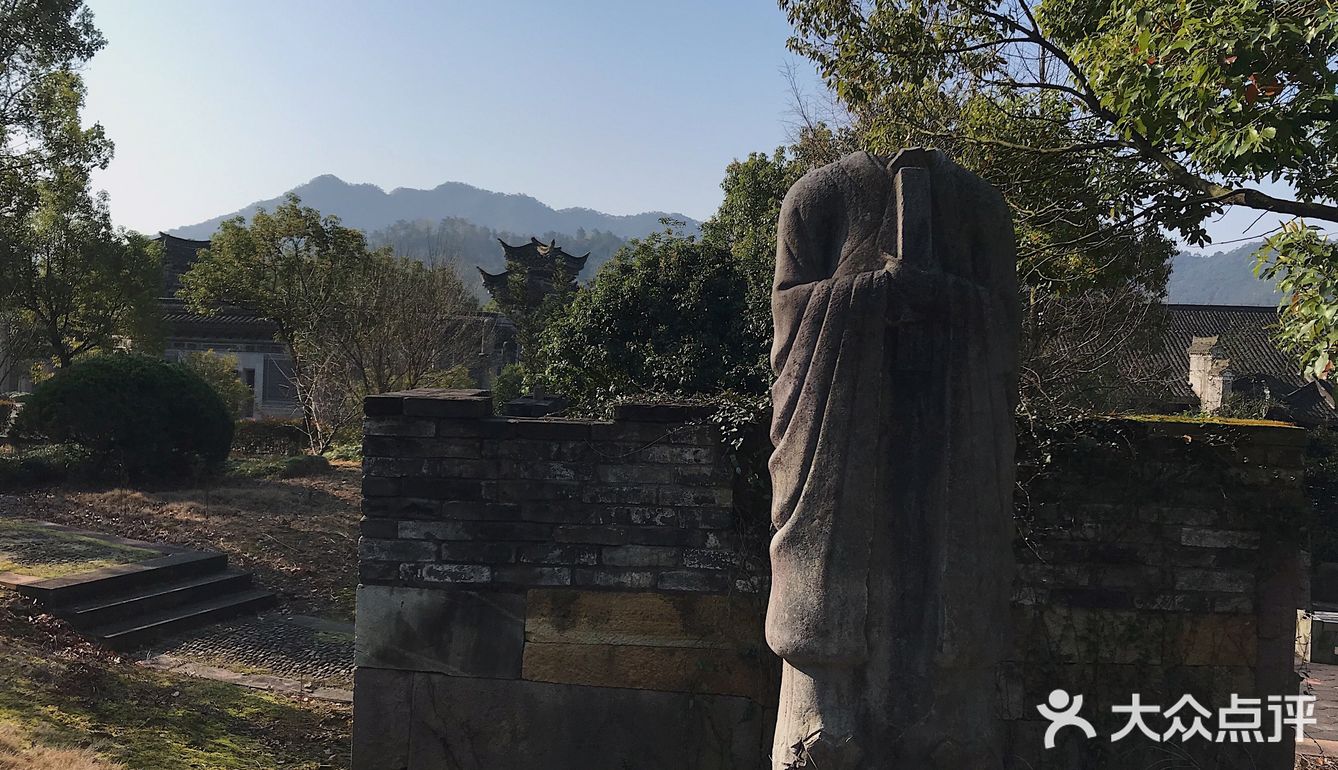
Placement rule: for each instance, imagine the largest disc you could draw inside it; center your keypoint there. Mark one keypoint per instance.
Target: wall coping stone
(470, 402)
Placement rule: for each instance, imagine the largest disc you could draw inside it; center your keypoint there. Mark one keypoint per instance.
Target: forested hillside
(1223, 278)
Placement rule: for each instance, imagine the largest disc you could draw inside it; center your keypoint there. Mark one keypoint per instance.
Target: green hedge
(138, 417)
(269, 436)
(43, 466)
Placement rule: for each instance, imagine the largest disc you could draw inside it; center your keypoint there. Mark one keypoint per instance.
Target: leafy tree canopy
(69, 282)
(76, 284)
(1198, 97)
(666, 316)
(745, 226)
(356, 320)
(1107, 124)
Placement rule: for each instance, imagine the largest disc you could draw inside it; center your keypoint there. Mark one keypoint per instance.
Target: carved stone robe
(896, 322)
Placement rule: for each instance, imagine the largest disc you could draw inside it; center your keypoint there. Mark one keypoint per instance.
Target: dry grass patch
(300, 536)
(19, 752)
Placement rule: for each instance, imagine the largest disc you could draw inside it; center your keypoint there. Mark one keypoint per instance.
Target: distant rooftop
(1245, 334)
(178, 256)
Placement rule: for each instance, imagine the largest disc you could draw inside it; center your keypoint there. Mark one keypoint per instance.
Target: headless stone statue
(896, 314)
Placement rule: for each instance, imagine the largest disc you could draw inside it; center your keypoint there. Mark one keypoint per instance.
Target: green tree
(1104, 123)
(219, 371)
(69, 283)
(76, 284)
(665, 317)
(296, 269)
(356, 321)
(42, 43)
(745, 226)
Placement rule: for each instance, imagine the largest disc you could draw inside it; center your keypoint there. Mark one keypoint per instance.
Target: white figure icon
(1062, 711)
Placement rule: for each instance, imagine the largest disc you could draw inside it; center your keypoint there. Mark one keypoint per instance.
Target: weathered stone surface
(457, 632)
(667, 669)
(383, 700)
(474, 724)
(643, 618)
(533, 576)
(641, 556)
(439, 402)
(896, 337)
(613, 577)
(447, 573)
(399, 426)
(693, 580)
(375, 549)
(554, 553)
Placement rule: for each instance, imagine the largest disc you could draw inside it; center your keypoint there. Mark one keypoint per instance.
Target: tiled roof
(1245, 333)
(229, 323)
(178, 256)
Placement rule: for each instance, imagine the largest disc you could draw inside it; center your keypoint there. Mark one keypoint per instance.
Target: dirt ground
(299, 536)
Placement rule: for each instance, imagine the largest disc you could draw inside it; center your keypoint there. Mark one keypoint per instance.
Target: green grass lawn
(28, 549)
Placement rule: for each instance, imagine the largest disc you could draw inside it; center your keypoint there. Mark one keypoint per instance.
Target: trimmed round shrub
(139, 417)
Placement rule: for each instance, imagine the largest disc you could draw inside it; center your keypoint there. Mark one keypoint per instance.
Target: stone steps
(154, 598)
(127, 605)
(135, 631)
(58, 592)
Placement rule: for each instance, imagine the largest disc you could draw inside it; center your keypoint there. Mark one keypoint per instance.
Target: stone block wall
(552, 593)
(1157, 558)
(555, 594)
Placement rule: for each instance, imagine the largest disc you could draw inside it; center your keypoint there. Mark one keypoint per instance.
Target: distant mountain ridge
(368, 208)
(1222, 278)
(461, 222)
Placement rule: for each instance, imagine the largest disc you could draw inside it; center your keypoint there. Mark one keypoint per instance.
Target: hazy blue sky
(618, 105)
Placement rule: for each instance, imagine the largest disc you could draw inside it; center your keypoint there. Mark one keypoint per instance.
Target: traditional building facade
(262, 363)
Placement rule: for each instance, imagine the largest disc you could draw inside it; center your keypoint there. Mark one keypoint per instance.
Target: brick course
(644, 500)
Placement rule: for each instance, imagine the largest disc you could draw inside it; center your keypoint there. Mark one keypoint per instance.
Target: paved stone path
(277, 652)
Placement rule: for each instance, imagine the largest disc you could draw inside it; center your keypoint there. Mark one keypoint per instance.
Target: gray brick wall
(453, 494)
(1160, 558)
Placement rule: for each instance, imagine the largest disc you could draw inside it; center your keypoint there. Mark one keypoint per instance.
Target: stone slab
(479, 724)
(741, 672)
(382, 709)
(644, 618)
(456, 632)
